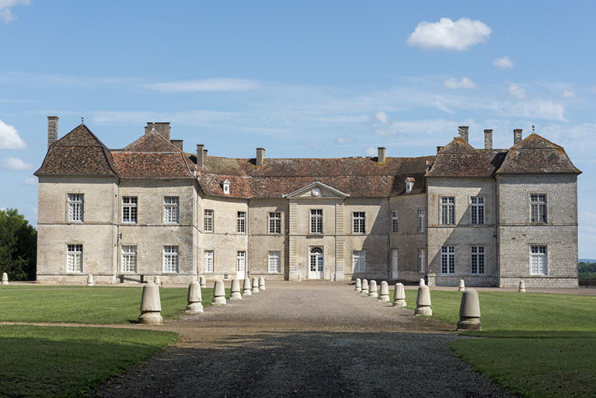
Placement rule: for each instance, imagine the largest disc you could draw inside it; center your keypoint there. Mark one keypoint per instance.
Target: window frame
(448, 254)
(76, 254)
(477, 260)
(447, 210)
(133, 209)
(316, 220)
(241, 222)
(420, 220)
(539, 204)
(421, 260)
(358, 261)
(171, 208)
(211, 217)
(128, 252)
(359, 222)
(208, 268)
(275, 222)
(539, 255)
(394, 222)
(478, 210)
(171, 252)
(76, 207)
(274, 255)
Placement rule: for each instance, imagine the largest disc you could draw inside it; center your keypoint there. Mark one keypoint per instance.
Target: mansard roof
(536, 154)
(79, 152)
(357, 177)
(460, 159)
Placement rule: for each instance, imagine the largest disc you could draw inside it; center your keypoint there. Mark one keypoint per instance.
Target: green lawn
(76, 304)
(42, 361)
(536, 344)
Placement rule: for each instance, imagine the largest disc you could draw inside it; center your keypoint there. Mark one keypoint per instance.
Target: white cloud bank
(216, 84)
(449, 35)
(503, 63)
(5, 5)
(464, 82)
(568, 94)
(9, 137)
(16, 164)
(382, 117)
(516, 91)
(30, 181)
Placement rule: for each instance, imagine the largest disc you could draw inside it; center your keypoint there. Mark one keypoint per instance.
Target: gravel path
(305, 339)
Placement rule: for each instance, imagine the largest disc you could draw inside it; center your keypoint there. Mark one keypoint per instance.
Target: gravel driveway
(305, 339)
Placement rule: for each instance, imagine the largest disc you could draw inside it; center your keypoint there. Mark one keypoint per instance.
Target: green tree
(18, 246)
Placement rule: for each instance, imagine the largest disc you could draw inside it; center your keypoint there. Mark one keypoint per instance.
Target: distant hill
(586, 260)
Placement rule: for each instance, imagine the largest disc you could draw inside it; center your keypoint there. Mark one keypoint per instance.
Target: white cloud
(30, 181)
(371, 151)
(9, 137)
(382, 133)
(503, 63)
(343, 140)
(532, 109)
(568, 94)
(217, 84)
(15, 164)
(5, 5)
(449, 35)
(464, 82)
(516, 91)
(382, 117)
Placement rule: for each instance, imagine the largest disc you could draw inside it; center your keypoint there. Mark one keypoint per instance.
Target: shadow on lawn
(536, 334)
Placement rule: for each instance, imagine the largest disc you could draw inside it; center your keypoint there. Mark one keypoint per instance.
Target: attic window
(226, 187)
(409, 184)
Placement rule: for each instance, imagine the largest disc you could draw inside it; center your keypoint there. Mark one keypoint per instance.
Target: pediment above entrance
(316, 190)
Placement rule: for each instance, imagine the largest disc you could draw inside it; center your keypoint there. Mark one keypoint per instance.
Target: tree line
(18, 246)
(586, 271)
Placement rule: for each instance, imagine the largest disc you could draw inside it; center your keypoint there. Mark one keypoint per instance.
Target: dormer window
(226, 187)
(409, 184)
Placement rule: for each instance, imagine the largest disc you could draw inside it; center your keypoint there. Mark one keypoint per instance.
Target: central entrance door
(241, 265)
(316, 263)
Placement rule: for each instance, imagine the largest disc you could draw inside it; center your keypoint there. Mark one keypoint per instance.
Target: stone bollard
(89, 280)
(421, 282)
(151, 305)
(219, 293)
(462, 286)
(4, 278)
(522, 287)
(358, 287)
(299, 278)
(372, 289)
(423, 302)
(384, 296)
(202, 281)
(157, 281)
(262, 283)
(235, 290)
(364, 287)
(195, 298)
(255, 285)
(469, 311)
(247, 288)
(399, 300)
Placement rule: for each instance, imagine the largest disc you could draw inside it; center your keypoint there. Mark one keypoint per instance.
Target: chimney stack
(463, 132)
(52, 130)
(382, 157)
(200, 155)
(517, 136)
(163, 129)
(260, 157)
(488, 139)
(148, 127)
(178, 144)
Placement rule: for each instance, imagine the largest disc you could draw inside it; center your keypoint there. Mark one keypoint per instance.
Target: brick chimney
(200, 155)
(517, 136)
(163, 129)
(463, 132)
(488, 139)
(52, 130)
(178, 144)
(382, 157)
(148, 127)
(260, 157)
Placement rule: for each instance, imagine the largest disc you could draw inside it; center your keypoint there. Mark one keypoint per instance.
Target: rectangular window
(275, 223)
(241, 222)
(170, 210)
(129, 259)
(359, 261)
(316, 221)
(129, 209)
(477, 210)
(538, 208)
(75, 207)
(359, 222)
(170, 259)
(477, 259)
(208, 261)
(74, 258)
(538, 260)
(208, 221)
(275, 262)
(448, 260)
(421, 260)
(394, 222)
(241, 263)
(420, 220)
(448, 210)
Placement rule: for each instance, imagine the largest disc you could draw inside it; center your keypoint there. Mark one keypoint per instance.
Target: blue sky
(301, 79)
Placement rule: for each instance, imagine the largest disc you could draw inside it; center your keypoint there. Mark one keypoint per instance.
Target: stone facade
(300, 219)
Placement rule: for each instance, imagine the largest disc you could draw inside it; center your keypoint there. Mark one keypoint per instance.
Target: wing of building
(489, 216)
